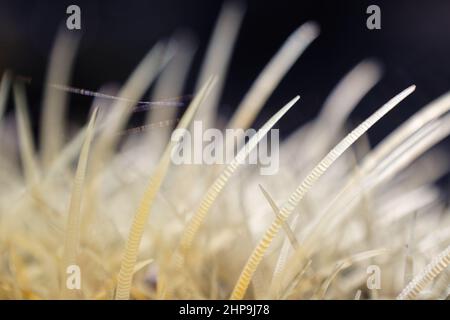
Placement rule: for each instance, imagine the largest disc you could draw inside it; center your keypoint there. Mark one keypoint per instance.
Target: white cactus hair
(142, 228)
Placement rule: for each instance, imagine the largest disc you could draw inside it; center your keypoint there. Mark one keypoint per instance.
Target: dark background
(413, 45)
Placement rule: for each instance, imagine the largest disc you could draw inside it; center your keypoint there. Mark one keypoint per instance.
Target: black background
(279, 309)
(413, 46)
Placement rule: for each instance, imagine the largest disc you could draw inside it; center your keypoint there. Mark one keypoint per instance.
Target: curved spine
(217, 186)
(141, 216)
(296, 197)
(431, 271)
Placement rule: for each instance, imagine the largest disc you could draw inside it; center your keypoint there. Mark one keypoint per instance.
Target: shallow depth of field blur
(92, 207)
